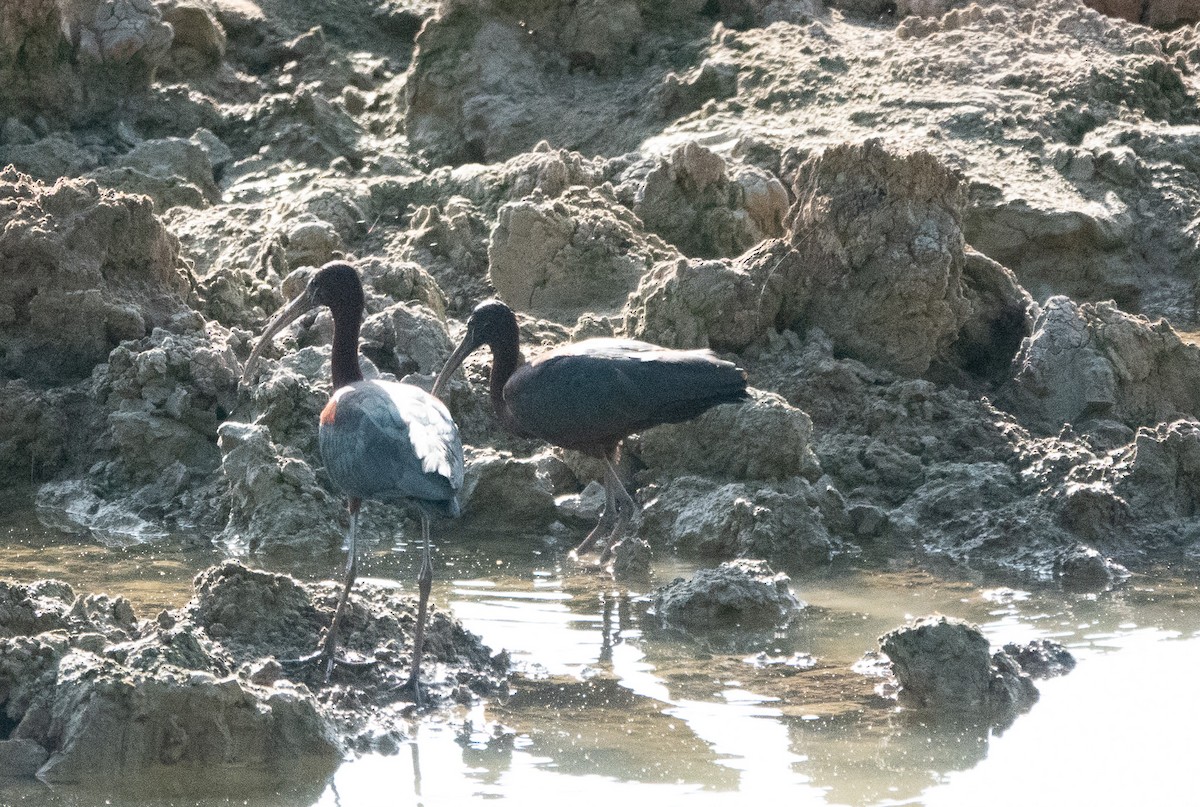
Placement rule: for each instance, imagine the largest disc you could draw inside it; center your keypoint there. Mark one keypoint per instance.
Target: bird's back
(388, 441)
(590, 394)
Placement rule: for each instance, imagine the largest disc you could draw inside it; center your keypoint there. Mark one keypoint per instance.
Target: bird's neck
(346, 369)
(506, 358)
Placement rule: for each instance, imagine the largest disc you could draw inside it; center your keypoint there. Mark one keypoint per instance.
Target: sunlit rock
(945, 666)
(738, 595)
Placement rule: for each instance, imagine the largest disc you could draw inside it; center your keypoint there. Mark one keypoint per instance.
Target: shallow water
(606, 709)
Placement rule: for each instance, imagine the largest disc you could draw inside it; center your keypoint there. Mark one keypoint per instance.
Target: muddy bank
(91, 693)
(955, 281)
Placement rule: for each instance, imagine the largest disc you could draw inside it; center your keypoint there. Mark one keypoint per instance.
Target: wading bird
(590, 395)
(379, 440)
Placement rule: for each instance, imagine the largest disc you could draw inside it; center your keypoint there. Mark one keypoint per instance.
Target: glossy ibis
(379, 440)
(590, 395)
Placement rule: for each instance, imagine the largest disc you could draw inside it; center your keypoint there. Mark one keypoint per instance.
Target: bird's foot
(413, 685)
(325, 662)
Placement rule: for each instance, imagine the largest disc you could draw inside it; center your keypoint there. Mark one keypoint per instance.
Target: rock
(117, 31)
(1083, 569)
(791, 524)
(631, 559)
(96, 259)
(15, 133)
(557, 259)
(1170, 13)
(274, 497)
(403, 18)
(77, 504)
(1129, 10)
(219, 154)
(865, 8)
(254, 613)
(219, 729)
(97, 697)
(486, 81)
(1155, 474)
(49, 158)
(166, 395)
(1157, 13)
(308, 128)
(694, 202)
(583, 508)
(174, 158)
(149, 431)
(689, 304)
(507, 492)
(1041, 658)
(311, 242)
(199, 40)
(167, 192)
(406, 338)
(80, 60)
(882, 237)
(172, 171)
(944, 666)
(982, 515)
(744, 595)
(680, 94)
(764, 438)
(30, 610)
(1088, 361)
(402, 281)
(258, 613)
(796, 12)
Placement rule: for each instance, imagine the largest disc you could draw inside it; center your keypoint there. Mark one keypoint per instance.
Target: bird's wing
(599, 390)
(390, 440)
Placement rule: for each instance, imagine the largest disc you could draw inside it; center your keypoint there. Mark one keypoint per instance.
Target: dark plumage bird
(590, 395)
(379, 440)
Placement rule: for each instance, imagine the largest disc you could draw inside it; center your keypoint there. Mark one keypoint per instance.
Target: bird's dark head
(492, 323)
(335, 284)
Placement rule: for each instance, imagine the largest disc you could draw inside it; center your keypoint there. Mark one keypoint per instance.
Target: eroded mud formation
(91, 693)
(962, 286)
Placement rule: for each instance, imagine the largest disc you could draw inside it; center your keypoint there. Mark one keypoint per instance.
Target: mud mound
(708, 209)
(77, 61)
(944, 667)
(580, 252)
(34, 444)
(791, 524)
(764, 438)
(739, 595)
(93, 695)
(881, 238)
(688, 304)
(76, 253)
(1086, 362)
(488, 81)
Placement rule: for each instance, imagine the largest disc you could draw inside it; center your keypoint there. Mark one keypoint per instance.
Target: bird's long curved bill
(464, 349)
(282, 319)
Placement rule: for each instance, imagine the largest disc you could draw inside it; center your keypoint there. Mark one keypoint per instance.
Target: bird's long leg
(424, 584)
(607, 516)
(624, 503)
(329, 649)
